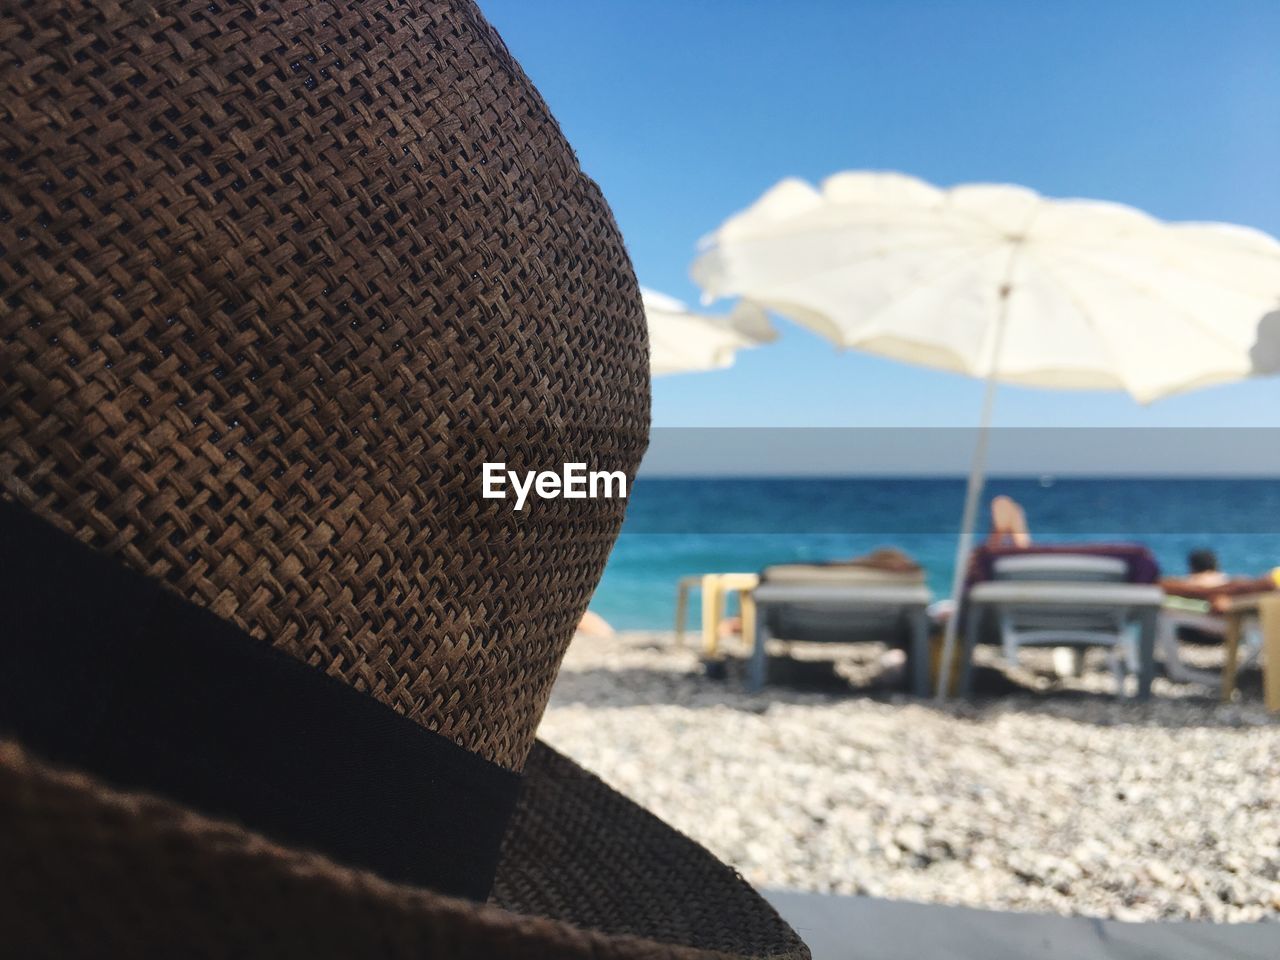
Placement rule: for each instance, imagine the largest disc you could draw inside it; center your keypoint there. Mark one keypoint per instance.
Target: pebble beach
(1048, 795)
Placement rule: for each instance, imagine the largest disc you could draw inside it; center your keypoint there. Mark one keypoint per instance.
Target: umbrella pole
(968, 521)
(972, 493)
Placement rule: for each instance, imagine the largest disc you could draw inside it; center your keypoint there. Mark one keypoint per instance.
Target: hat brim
(584, 873)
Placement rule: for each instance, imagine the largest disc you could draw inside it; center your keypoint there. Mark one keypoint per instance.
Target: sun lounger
(1184, 613)
(1247, 622)
(842, 603)
(1065, 597)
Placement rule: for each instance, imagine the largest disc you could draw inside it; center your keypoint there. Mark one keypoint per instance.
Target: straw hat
(277, 279)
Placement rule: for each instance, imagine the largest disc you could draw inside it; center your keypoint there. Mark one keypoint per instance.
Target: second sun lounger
(1065, 600)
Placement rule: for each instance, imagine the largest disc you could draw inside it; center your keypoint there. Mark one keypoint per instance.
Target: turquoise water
(682, 526)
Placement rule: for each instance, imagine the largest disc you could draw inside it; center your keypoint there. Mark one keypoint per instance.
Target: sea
(681, 526)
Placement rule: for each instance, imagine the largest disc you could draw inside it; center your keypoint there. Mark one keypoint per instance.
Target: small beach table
(716, 588)
(1140, 602)
(856, 606)
(1266, 607)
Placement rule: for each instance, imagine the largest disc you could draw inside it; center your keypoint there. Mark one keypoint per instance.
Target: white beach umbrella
(681, 341)
(1002, 284)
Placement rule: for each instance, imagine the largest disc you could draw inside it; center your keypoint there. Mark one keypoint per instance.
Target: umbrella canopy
(998, 281)
(681, 341)
(1001, 283)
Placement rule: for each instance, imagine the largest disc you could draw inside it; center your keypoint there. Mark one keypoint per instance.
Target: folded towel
(1141, 563)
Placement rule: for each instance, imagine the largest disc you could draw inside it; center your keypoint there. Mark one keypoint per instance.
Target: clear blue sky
(686, 110)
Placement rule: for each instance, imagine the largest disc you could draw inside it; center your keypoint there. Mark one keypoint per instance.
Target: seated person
(1008, 524)
(1204, 571)
(1206, 581)
(1203, 622)
(1008, 529)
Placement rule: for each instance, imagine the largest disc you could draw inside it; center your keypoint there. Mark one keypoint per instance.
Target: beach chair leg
(972, 623)
(1231, 647)
(1269, 617)
(1008, 636)
(758, 672)
(918, 625)
(747, 605)
(712, 607)
(1167, 647)
(1147, 621)
(682, 609)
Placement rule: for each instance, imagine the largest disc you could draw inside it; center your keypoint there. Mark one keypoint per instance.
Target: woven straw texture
(278, 278)
(184, 886)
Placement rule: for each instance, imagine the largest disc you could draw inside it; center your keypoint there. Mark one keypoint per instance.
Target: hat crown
(272, 303)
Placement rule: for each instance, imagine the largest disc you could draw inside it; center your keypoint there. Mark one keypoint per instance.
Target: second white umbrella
(681, 341)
